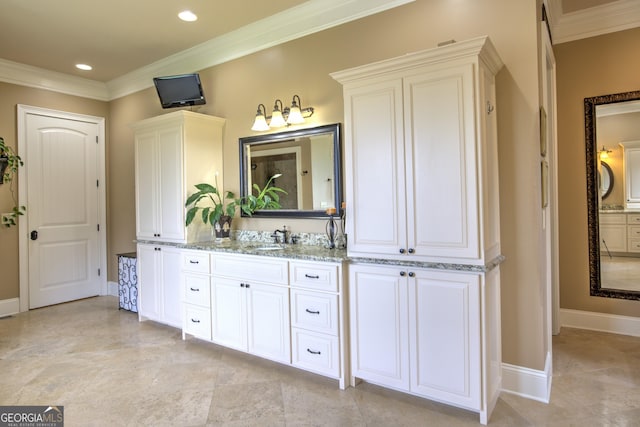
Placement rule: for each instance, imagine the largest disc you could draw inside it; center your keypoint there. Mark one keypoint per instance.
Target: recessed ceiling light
(188, 16)
(84, 67)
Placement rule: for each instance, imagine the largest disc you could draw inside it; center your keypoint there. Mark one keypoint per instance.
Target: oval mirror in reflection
(606, 180)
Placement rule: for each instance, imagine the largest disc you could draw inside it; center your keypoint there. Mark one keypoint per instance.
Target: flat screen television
(179, 91)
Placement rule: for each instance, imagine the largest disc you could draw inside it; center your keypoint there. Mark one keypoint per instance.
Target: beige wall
(586, 68)
(302, 67)
(10, 97)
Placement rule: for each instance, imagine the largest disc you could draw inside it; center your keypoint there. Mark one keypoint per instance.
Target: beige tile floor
(107, 369)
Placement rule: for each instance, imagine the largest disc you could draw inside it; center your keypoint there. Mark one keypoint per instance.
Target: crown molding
(27, 75)
(608, 18)
(308, 18)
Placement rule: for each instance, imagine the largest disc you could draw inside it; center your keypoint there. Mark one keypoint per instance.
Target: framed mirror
(310, 163)
(614, 257)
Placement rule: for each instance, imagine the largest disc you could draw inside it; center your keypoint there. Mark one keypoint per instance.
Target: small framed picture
(543, 132)
(544, 178)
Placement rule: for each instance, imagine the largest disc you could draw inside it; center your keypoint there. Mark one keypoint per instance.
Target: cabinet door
(444, 313)
(632, 176)
(146, 148)
(229, 313)
(149, 297)
(171, 184)
(440, 143)
(172, 284)
(268, 321)
(379, 325)
(613, 238)
(374, 161)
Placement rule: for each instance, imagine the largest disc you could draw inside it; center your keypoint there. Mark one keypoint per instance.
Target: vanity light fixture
(260, 124)
(604, 153)
(277, 121)
(280, 117)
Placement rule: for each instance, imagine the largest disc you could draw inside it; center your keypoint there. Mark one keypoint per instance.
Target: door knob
(34, 235)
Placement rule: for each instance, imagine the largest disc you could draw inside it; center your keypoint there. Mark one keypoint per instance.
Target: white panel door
(147, 188)
(442, 206)
(149, 280)
(171, 182)
(374, 155)
(229, 313)
(171, 264)
(379, 325)
(63, 214)
(268, 321)
(444, 313)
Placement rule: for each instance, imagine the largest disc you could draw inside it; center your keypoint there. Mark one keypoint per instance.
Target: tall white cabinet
(422, 197)
(173, 152)
(631, 162)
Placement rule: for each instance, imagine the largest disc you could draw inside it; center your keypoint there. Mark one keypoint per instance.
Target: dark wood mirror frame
(285, 136)
(592, 194)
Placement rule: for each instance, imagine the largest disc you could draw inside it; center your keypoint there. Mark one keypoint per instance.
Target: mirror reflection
(309, 163)
(613, 156)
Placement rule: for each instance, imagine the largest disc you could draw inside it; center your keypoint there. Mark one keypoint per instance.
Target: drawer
(318, 276)
(316, 352)
(314, 311)
(197, 290)
(612, 218)
(197, 322)
(633, 218)
(634, 245)
(251, 268)
(195, 261)
(633, 231)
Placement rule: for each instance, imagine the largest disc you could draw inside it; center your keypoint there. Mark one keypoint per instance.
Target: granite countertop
(318, 253)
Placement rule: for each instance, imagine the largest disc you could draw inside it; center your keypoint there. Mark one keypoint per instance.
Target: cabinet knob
(403, 273)
(401, 250)
(195, 289)
(195, 320)
(247, 285)
(242, 285)
(311, 276)
(311, 311)
(194, 262)
(411, 250)
(313, 352)
(411, 274)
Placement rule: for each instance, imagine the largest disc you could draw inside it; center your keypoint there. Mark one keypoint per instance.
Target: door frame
(23, 226)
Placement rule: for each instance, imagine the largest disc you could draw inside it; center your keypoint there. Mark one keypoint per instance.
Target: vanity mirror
(309, 161)
(614, 230)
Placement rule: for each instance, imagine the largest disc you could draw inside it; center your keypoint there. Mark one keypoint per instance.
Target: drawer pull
(311, 311)
(311, 276)
(194, 262)
(313, 352)
(195, 320)
(195, 289)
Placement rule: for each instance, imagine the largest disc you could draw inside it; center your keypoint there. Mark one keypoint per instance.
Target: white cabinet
(317, 318)
(421, 168)
(420, 135)
(613, 232)
(160, 284)
(196, 294)
(422, 331)
(631, 166)
(173, 152)
(250, 305)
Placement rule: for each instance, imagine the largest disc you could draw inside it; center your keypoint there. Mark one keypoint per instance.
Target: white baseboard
(624, 325)
(112, 289)
(526, 382)
(9, 307)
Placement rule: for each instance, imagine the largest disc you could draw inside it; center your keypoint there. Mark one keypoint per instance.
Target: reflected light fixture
(604, 153)
(277, 121)
(260, 124)
(280, 116)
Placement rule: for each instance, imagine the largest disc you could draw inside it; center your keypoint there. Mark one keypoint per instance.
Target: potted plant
(9, 163)
(218, 208)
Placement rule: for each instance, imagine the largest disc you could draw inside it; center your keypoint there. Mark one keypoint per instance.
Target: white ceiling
(128, 42)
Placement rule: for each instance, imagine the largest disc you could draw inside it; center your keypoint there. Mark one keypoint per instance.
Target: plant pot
(4, 162)
(222, 228)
